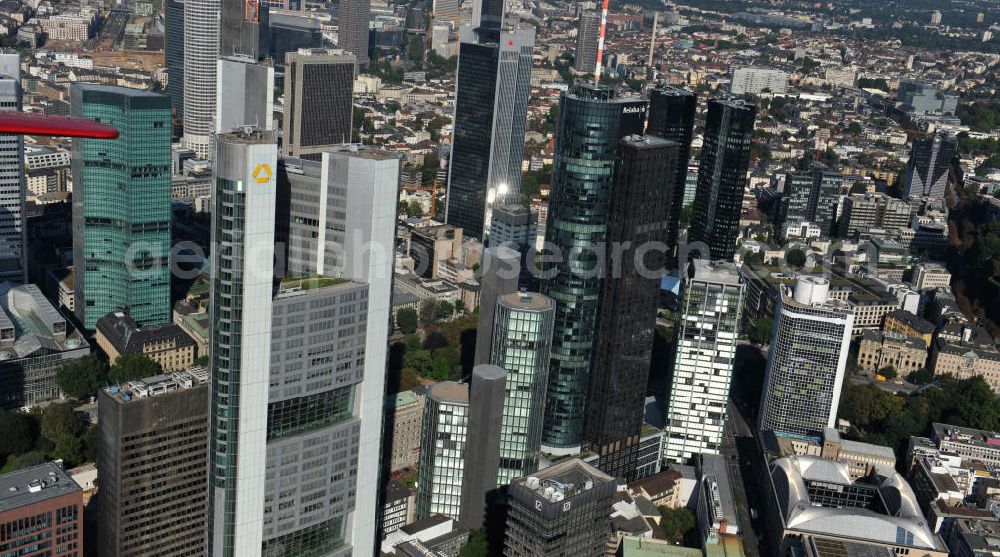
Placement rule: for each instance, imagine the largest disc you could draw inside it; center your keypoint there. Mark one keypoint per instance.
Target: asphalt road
(737, 435)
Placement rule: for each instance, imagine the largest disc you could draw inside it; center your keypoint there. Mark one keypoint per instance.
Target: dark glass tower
(491, 107)
(927, 169)
(645, 175)
(671, 116)
(243, 29)
(174, 25)
(592, 121)
(353, 17)
(812, 197)
(722, 177)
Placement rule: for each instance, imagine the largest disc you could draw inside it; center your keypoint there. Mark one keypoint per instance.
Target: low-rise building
(396, 510)
(973, 537)
(861, 458)
(927, 276)
(405, 412)
(964, 360)
(167, 345)
(434, 535)
(902, 321)
(878, 350)
(41, 512)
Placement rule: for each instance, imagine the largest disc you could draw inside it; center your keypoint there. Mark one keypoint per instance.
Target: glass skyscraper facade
(707, 336)
(491, 106)
(592, 121)
(812, 197)
(522, 337)
(722, 177)
(121, 206)
(13, 241)
(806, 359)
(443, 440)
(639, 218)
(671, 116)
(927, 168)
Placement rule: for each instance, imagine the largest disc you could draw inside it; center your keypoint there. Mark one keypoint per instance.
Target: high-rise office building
(319, 93)
(807, 358)
(592, 121)
(243, 215)
(243, 29)
(588, 32)
(488, 13)
(353, 17)
(173, 17)
(561, 510)
(491, 104)
(289, 33)
(927, 169)
(447, 10)
(707, 336)
(639, 213)
(13, 238)
(812, 197)
(522, 339)
(201, 50)
(41, 512)
(756, 80)
(671, 116)
(442, 450)
(246, 94)
(121, 206)
(487, 389)
(356, 242)
(722, 177)
(153, 438)
(500, 272)
(864, 211)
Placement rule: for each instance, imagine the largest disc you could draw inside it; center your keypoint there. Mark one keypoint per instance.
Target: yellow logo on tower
(262, 173)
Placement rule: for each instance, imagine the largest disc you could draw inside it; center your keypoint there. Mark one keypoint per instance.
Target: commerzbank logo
(262, 173)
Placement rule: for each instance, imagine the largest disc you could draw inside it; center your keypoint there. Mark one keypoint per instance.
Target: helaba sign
(637, 109)
(262, 173)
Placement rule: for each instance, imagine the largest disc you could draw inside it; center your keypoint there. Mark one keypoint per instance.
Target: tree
(129, 367)
(889, 372)
(201, 360)
(855, 128)
(795, 257)
(60, 420)
(477, 546)
(760, 331)
(69, 449)
(20, 433)
(444, 311)
(676, 523)
(427, 311)
(460, 306)
(406, 319)
(28, 460)
(922, 376)
(413, 209)
(82, 377)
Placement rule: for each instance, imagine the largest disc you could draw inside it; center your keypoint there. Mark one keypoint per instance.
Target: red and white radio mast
(600, 41)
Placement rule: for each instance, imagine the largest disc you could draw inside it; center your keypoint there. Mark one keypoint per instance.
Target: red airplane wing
(32, 123)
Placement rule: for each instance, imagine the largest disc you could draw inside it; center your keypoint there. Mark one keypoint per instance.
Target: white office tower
(707, 336)
(201, 52)
(243, 205)
(444, 437)
(12, 185)
(806, 359)
(246, 94)
(342, 224)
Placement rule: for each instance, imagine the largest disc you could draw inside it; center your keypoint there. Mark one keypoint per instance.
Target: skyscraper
(488, 13)
(491, 104)
(588, 32)
(722, 177)
(927, 169)
(13, 239)
(522, 339)
(812, 197)
(153, 438)
(121, 206)
(241, 307)
(442, 450)
(352, 20)
(289, 33)
(671, 116)
(592, 121)
(487, 389)
(201, 50)
(707, 336)
(355, 243)
(243, 29)
(174, 53)
(319, 95)
(807, 358)
(500, 271)
(246, 94)
(639, 213)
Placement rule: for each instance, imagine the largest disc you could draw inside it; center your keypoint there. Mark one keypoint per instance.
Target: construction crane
(432, 188)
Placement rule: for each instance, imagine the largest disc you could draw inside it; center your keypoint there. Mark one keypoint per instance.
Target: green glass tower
(121, 206)
(592, 121)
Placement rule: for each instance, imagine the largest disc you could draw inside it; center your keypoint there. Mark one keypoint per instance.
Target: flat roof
(527, 300)
(449, 391)
(33, 485)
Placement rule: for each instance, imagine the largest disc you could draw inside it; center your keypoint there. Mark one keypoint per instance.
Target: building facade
(442, 450)
(812, 197)
(41, 512)
(878, 350)
(592, 121)
(153, 437)
(319, 94)
(173, 23)
(754, 81)
(407, 410)
(588, 32)
(707, 336)
(491, 106)
(644, 180)
(167, 345)
(353, 17)
(722, 177)
(201, 50)
(245, 94)
(13, 238)
(671, 116)
(121, 206)
(807, 359)
(927, 170)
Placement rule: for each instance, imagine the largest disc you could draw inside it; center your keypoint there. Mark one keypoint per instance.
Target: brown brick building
(41, 513)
